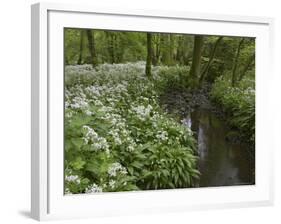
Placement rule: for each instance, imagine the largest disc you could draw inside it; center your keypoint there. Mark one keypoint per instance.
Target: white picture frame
(47, 198)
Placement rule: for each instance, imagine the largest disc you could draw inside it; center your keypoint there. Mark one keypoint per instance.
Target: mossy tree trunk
(91, 44)
(157, 49)
(149, 55)
(249, 62)
(211, 58)
(79, 62)
(235, 63)
(196, 60)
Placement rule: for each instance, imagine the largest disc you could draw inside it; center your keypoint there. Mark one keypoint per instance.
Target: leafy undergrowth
(117, 138)
(238, 103)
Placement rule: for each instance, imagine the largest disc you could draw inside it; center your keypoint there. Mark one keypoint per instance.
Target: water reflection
(221, 163)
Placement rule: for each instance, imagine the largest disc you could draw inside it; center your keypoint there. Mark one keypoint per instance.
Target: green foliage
(173, 77)
(110, 46)
(238, 103)
(117, 137)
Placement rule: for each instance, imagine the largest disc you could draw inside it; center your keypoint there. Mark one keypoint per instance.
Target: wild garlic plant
(117, 137)
(239, 104)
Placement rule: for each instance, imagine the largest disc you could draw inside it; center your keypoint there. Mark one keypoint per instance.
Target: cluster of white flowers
(117, 69)
(116, 137)
(142, 111)
(104, 72)
(73, 178)
(250, 91)
(113, 118)
(75, 99)
(131, 143)
(97, 142)
(119, 131)
(111, 184)
(98, 103)
(79, 103)
(162, 135)
(116, 168)
(67, 191)
(93, 188)
(94, 91)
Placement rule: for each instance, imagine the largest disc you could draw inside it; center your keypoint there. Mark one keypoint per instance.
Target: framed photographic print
(148, 111)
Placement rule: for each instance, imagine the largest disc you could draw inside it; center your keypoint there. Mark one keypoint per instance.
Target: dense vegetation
(238, 103)
(117, 135)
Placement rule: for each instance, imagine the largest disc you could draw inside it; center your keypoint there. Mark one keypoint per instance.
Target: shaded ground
(182, 101)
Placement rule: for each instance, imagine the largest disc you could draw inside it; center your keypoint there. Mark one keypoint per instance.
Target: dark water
(221, 162)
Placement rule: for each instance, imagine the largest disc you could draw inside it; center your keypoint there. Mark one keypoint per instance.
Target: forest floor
(182, 101)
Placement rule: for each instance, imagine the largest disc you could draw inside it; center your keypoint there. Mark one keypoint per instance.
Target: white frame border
(40, 104)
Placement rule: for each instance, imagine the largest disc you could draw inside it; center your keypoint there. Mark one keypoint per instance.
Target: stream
(221, 163)
(223, 160)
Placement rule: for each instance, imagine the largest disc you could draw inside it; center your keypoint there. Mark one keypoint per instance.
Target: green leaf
(77, 142)
(78, 164)
(136, 164)
(130, 170)
(68, 145)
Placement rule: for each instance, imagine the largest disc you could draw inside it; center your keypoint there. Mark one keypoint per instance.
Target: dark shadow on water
(221, 162)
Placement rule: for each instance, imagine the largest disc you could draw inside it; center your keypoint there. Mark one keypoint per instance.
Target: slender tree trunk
(186, 53)
(149, 55)
(179, 54)
(119, 48)
(154, 50)
(206, 69)
(79, 62)
(171, 49)
(196, 59)
(247, 66)
(235, 63)
(110, 46)
(165, 41)
(157, 50)
(91, 42)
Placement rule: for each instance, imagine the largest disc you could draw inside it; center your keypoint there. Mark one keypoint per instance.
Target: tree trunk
(186, 52)
(118, 47)
(149, 55)
(248, 64)
(196, 59)
(79, 62)
(111, 45)
(206, 69)
(171, 49)
(154, 50)
(179, 52)
(157, 49)
(233, 82)
(91, 42)
(165, 42)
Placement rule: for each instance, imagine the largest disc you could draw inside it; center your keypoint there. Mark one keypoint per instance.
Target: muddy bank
(182, 102)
